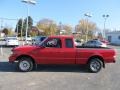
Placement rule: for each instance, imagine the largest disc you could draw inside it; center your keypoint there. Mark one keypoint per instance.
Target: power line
(7, 18)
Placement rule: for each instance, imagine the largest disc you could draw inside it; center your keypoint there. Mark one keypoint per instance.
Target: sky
(64, 11)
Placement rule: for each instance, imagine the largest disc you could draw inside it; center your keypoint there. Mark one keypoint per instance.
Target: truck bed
(93, 47)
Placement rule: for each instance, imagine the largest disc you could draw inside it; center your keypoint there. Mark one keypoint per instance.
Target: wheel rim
(95, 66)
(24, 65)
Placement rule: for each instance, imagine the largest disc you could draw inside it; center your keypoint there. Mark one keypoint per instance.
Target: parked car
(105, 41)
(61, 50)
(94, 43)
(11, 41)
(37, 40)
(29, 39)
(77, 42)
(2, 42)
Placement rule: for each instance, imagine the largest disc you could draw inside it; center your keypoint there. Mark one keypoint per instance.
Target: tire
(95, 65)
(25, 64)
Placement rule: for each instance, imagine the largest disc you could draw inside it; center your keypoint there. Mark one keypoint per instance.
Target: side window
(69, 43)
(98, 42)
(88, 42)
(54, 42)
(42, 38)
(94, 42)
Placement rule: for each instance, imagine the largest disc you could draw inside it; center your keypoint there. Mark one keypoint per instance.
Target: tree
(19, 27)
(68, 29)
(8, 31)
(35, 31)
(30, 24)
(100, 36)
(22, 24)
(86, 28)
(52, 29)
(5, 31)
(48, 26)
(64, 29)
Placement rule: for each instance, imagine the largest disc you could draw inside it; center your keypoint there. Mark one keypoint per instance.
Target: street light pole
(28, 2)
(21, 30)
(1, 23)
(105, 18)
(88, 15)
(26, 33)
(60, 25)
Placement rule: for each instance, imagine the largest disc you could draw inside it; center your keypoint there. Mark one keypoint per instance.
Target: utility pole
(28, 2)
(88, 15)
(105, 18)
(1, 23)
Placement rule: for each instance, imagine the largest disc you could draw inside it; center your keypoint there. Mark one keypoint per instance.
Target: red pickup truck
(61, 50)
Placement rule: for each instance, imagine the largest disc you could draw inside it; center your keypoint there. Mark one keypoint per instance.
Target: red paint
(63, 55)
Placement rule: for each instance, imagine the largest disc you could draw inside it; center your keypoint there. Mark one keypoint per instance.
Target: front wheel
(25, 64)
(95, 65)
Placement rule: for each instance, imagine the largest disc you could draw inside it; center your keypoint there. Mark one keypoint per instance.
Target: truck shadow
(8, 67)
(62, 68)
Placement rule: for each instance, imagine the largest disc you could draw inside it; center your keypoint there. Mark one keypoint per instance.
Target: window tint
(54, 42)
(42, 38)
(92, 42)
(88, 42)
(11, 38)
(69, 43)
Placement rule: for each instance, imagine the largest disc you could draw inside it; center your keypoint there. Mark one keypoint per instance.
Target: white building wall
(2, 34)
(115, 37)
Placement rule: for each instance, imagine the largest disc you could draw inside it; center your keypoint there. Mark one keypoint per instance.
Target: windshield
(42, 43)
(11, 38)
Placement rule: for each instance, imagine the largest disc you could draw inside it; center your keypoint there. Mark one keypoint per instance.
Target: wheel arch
(99, 57)
(17, 59)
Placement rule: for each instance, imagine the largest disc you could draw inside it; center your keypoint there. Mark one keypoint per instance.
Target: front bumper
(12, 43)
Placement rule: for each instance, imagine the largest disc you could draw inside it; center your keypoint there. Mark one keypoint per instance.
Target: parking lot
(58, 77)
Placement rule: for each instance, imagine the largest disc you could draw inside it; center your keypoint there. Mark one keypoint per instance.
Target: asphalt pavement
(58, 77)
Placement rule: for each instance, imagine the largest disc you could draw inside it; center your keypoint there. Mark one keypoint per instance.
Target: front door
(52, 53)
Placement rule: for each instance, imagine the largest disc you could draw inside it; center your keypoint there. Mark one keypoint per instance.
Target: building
(2, 34)
(113, 37)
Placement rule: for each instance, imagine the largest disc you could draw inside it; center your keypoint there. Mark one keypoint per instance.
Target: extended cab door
(69, 51)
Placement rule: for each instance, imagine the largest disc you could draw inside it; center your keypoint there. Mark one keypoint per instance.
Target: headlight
(11, 52)
(14, 51)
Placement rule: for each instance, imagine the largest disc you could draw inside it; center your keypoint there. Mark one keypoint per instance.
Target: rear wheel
(95, 65)
(25, 64)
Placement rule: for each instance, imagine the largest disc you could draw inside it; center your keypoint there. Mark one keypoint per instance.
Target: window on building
(119, 37)
(109, 38)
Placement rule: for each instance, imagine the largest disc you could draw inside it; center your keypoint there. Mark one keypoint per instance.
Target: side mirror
(42, 46)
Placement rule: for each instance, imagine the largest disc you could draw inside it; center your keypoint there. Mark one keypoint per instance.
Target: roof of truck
(62, 36)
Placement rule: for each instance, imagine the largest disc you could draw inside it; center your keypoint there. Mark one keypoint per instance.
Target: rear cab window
(69, 43)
